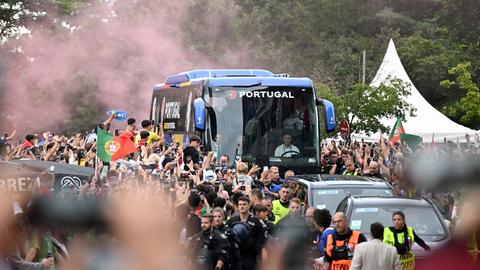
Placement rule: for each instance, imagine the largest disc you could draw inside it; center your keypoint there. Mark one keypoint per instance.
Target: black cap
(195, 138)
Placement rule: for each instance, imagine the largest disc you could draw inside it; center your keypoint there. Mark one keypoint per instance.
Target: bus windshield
(273, 123)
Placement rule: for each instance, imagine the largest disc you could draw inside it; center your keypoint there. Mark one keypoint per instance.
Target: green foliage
(210, 34)
(16, 13)
(461, 18)
(324, 40)
(85, 109)
(427, 61)
(367, 105)
(469, 105)
(68, 6)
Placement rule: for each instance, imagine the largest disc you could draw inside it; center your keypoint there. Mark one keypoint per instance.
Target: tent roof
(429, 122)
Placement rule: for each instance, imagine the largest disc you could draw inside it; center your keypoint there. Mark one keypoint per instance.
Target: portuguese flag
(111, 148)
(396, 131)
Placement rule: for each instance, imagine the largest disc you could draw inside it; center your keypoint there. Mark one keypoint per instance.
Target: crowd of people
(226, 214)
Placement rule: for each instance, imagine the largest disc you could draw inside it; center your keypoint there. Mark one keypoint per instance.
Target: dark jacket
(257, 231)
(207, 248)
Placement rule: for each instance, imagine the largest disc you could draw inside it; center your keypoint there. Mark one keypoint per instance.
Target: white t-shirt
(283, 149)
(91, 138)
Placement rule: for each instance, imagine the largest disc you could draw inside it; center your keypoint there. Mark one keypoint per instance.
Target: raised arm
(11, 135)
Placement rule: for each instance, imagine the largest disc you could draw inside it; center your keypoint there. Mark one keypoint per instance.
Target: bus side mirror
(199, 114)
(330, 122)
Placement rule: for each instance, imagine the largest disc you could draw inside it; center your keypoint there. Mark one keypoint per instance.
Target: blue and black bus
(246, 114)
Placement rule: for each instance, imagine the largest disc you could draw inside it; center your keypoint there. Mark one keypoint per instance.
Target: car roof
(327, 180)
(386, 201)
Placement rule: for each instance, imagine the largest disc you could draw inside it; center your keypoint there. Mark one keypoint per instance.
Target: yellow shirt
(151, 138)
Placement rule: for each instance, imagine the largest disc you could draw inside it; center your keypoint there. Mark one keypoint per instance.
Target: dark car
(327, 191)
(421, 214)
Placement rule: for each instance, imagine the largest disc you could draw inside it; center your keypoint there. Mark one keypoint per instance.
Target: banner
(18, 183)
(68, 185)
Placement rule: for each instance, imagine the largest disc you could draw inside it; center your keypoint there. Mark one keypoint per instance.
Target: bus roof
(215, 73)
(245, 82)
(260, 81)
(232, 77)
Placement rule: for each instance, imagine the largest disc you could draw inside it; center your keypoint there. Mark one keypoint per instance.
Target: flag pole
(95, 166)
(95, 162)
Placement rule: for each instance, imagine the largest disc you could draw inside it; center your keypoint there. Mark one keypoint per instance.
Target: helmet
(241, 231)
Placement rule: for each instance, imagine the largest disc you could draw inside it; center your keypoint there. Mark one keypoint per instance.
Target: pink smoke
(123, 49)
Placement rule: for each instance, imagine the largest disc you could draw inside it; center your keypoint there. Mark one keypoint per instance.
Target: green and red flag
(411, 140)
(396, 131)
(111, 148)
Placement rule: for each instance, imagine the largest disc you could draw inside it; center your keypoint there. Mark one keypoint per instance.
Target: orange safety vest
(342, 263)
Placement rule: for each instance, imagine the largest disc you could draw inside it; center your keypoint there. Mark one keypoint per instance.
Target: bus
(252, 115)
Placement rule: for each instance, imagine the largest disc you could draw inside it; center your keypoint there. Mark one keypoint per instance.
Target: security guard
(280, 207)
(252, 233)
(209, 248)
(402, 238)
(341, 244)
(350, 168)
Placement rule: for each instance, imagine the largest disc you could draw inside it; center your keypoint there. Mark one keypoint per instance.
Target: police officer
(341, 244)
(235, 262)
(252, 233)
(209, 248)
(261, 212)
(402, 237)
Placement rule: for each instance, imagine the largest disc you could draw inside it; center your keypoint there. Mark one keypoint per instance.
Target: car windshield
(330, 198)
(424, 220)
(260, 121)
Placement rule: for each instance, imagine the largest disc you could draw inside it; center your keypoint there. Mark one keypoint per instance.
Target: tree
(427, 61)
(16, 13)
(85, 108)
(460, 17)
(469, 105)
(365, 106)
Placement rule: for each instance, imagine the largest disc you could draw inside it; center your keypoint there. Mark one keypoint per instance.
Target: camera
(185, 175)
(224, 169)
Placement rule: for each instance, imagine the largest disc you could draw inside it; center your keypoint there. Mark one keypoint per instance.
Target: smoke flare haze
(110, 53)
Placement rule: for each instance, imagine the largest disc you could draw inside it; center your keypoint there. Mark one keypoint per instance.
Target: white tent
(428, 123)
